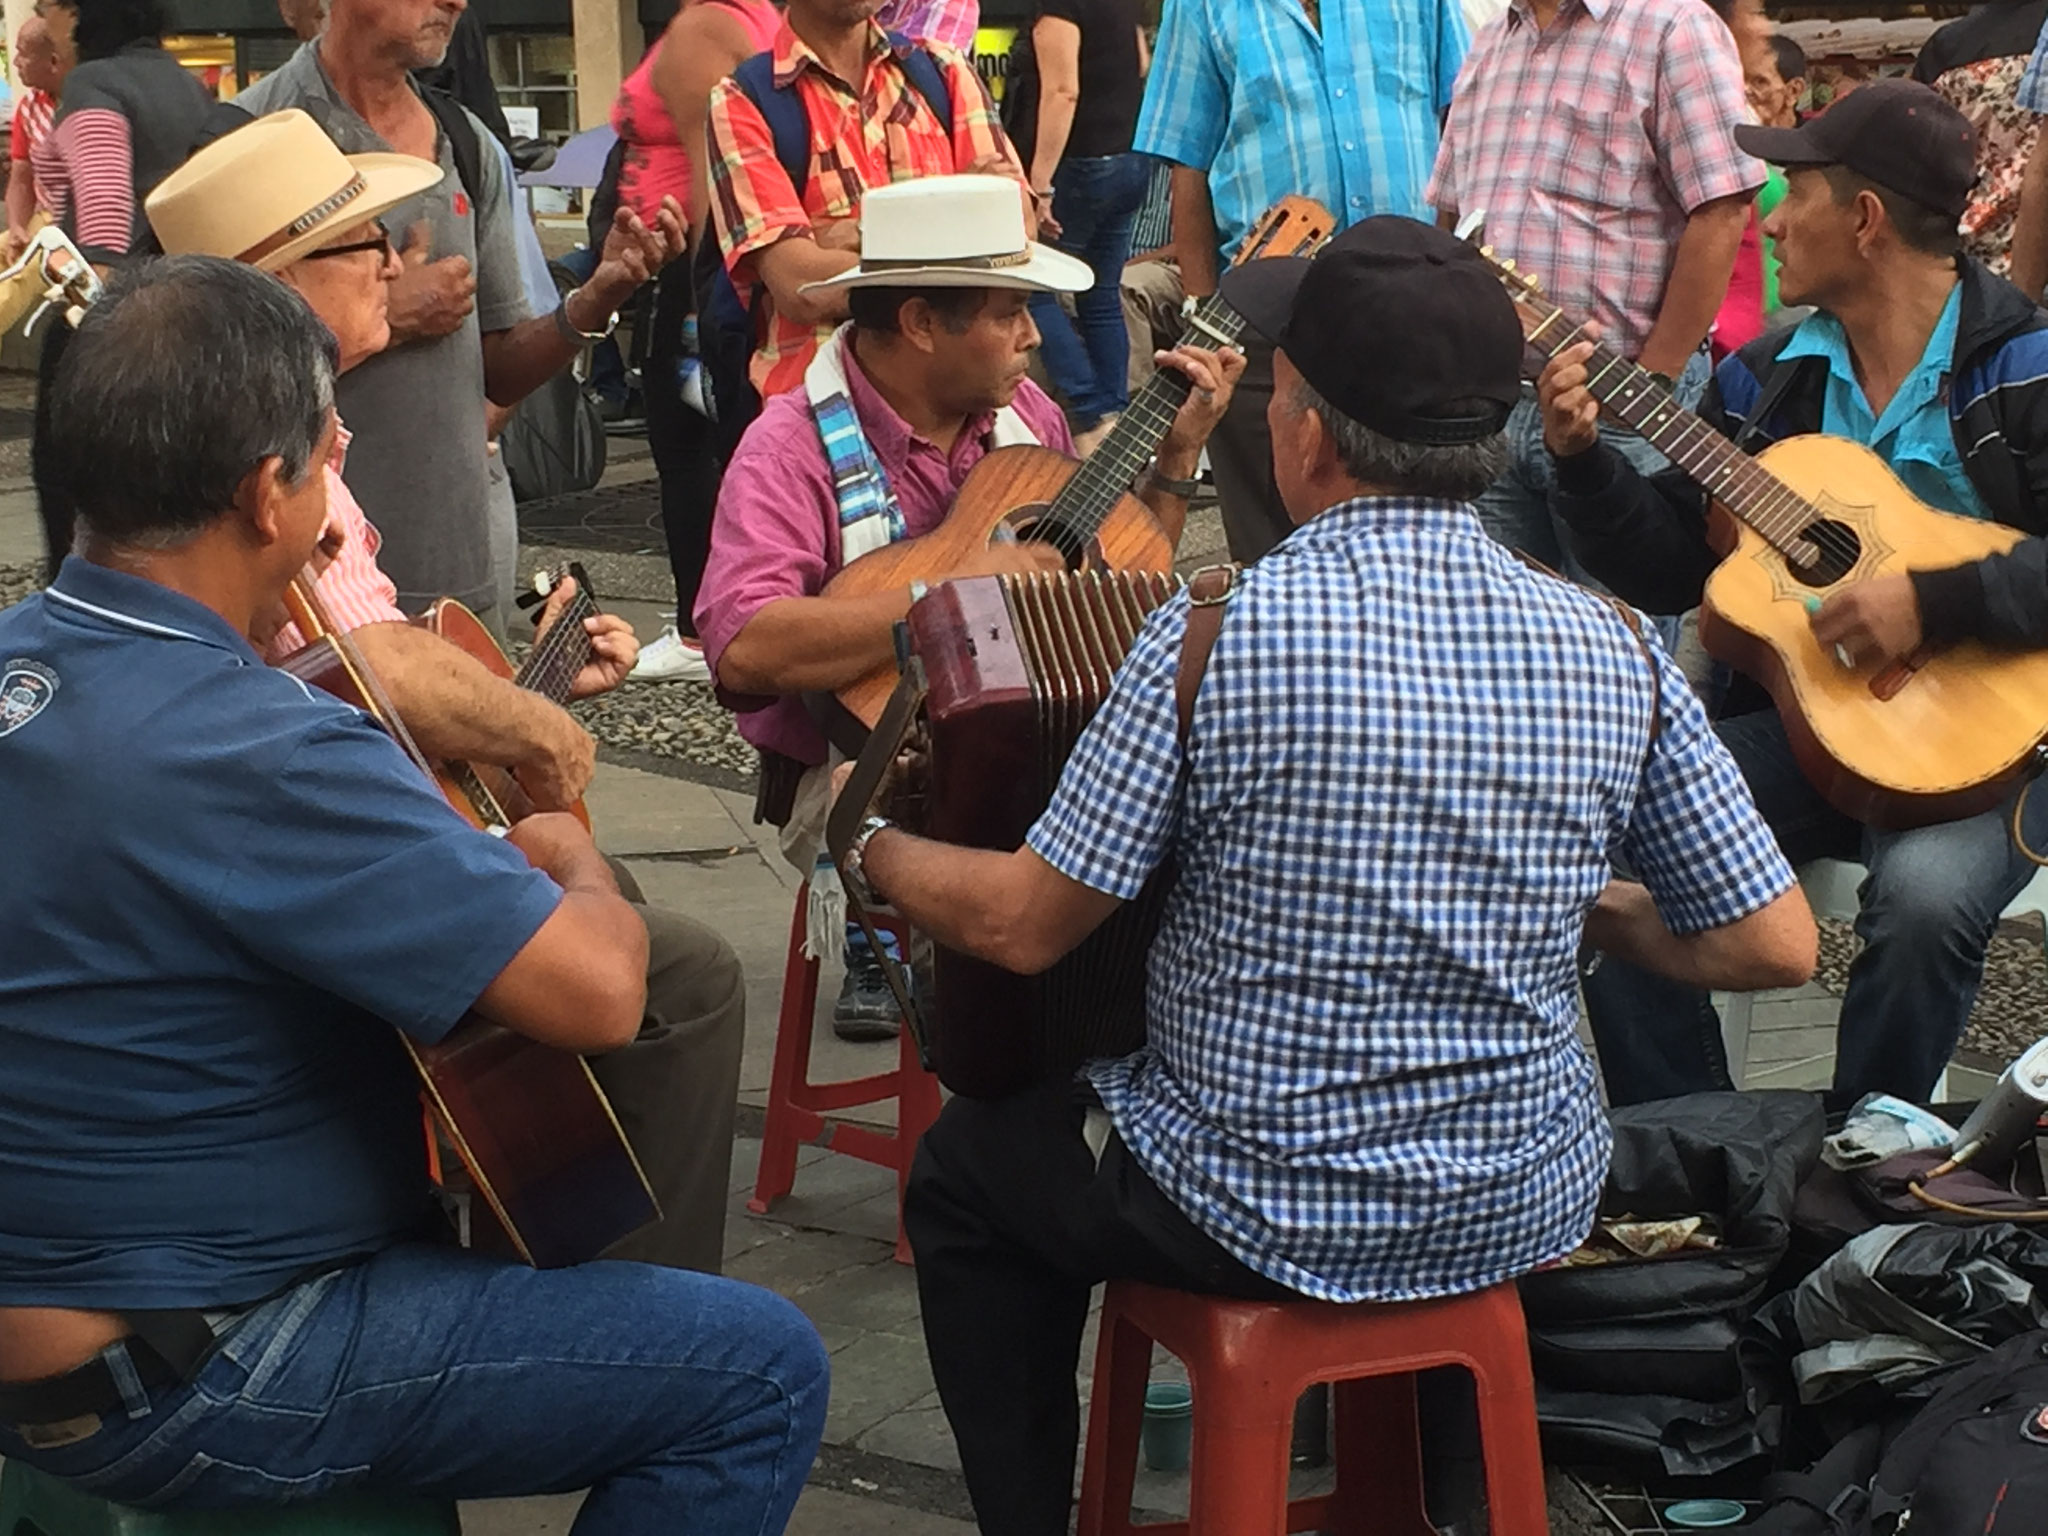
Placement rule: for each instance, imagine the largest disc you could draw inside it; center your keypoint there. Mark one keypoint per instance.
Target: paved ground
(889, 1463)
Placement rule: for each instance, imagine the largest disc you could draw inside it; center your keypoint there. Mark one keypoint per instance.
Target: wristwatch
(568, 327)
(851, 868)
(1153, 480)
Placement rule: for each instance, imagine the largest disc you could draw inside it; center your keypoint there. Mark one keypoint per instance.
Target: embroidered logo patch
(26, 687)
(461, 205)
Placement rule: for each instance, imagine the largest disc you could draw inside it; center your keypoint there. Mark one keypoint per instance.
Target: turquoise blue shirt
(1914, 435)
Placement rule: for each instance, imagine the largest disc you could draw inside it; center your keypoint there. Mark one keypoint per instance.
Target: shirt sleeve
(1694, 837)
(348, 871)
(768, 539)
(1453, 42)
(17, 131)
(977, 131)
(2032, 94)
(353, 589)
(1112, 819)
(1699, 104)
(753, 204)
(1187, 95)
(94, 145)
(501, 300)
(1442, 193)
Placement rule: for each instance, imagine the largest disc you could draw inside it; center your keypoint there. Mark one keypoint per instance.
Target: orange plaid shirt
(886, 132)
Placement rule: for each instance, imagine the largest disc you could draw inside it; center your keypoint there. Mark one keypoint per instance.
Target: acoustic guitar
(528, 1121)
(1085, 507)
(1938, 735)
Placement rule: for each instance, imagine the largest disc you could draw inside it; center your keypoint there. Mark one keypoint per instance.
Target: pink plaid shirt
(354, 589)
(1589, 145)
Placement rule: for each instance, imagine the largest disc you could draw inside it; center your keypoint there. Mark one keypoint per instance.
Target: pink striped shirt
(353, 589)
(31, 122)
(85, 167)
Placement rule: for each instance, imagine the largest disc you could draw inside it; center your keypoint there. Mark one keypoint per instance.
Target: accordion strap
(1209, 592)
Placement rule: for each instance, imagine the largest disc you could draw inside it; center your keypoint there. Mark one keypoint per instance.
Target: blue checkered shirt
(1248, 91)
(1411, 763)
(2032, 94)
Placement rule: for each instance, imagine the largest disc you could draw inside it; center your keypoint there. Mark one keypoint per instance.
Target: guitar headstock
(61, 270)
(1531, 303)
(546, 581)
(1294, 226)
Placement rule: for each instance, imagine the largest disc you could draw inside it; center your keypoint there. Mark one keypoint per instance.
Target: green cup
(1169, 1427)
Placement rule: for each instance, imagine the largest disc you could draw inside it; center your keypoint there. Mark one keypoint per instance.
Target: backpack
(728, 330)
(1971, 1461)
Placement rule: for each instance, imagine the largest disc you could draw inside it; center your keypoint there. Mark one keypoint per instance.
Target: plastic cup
(1704, 1514)
(1169, 1427)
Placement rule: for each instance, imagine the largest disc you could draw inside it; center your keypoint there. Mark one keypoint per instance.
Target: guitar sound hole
(1835, 549)
(1034, 524)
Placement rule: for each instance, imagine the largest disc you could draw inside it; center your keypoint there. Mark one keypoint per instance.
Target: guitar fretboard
(1639, 399)
(551, 667)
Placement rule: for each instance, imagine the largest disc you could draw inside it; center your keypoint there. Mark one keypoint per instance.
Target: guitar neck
(1639, 399)
(551, 667)
(1109, 472)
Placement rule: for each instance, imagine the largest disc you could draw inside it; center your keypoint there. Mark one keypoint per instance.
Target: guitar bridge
(1886, 684)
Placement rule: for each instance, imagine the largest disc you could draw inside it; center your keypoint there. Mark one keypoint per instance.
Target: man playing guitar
(280, 194)
(1940, 367)
(931, 375)
(216, 1220)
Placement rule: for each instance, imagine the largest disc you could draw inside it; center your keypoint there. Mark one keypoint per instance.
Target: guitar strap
(869, 517)
(1209, 592)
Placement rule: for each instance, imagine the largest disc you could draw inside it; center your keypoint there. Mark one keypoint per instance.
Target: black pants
(1241, 455)
(1013, 1221)
(684, 442)
(53, 494)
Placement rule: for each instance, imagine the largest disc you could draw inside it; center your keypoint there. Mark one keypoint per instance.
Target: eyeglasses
(380, 243)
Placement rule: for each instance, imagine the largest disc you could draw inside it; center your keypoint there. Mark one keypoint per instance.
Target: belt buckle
(50, 1437)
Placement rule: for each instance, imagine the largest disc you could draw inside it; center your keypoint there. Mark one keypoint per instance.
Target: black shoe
(866, 1009)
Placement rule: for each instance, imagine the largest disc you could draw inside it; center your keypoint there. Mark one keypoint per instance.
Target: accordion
(1014, 667)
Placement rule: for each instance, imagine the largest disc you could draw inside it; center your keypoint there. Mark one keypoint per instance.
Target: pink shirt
(656, 165)
(776, 531)
(354, 589)
(1589, 144)
(951, 23)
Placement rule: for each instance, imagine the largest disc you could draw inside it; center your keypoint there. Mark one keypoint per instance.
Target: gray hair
(1457, 472)
(186, 375)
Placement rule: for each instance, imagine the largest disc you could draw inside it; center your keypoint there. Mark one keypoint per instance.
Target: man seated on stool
(223, 1280)
(924, 381)
(1410, 760)
(1940, 367)
(276, 193)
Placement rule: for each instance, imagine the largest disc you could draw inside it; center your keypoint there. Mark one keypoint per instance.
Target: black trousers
(684, 443)
(1013, 1221)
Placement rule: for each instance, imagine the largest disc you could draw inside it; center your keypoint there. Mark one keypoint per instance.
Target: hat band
(925, 264)
(311, 219)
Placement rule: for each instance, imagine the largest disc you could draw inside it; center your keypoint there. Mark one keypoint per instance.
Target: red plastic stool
(797, 1106)
(1248, 1362)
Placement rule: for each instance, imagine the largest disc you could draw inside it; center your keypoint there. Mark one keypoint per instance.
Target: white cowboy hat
(954, 232)
(268, 193)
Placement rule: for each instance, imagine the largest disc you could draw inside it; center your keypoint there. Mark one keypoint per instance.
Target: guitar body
(1005, 493)
(465, 631)
(529, 1122)
(1940, 736)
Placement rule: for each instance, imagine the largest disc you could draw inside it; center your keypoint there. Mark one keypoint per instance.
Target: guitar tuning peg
(1508, 265)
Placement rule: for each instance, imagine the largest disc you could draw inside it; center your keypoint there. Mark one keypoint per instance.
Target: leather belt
(166, 1347)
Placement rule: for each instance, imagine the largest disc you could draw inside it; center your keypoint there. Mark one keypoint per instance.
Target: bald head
(35, 56)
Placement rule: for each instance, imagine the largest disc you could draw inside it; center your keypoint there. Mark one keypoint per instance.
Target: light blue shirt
(2032, 94)
(1248, 91)
(1914, 434)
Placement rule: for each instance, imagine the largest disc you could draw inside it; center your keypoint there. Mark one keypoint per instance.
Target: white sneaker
(670, 658)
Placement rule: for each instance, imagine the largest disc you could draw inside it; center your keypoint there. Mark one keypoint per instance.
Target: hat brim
(388, 180)
(1781, 146)
(1046, 271)
(1263, 292)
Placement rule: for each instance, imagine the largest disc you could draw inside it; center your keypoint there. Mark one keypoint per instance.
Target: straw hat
(954, 232)
(268, 193)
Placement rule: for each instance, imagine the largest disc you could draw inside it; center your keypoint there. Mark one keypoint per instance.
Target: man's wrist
(592, 310)
(1176, 459)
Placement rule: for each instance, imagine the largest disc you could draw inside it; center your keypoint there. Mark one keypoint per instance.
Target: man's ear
(260, 500)
(919, 323)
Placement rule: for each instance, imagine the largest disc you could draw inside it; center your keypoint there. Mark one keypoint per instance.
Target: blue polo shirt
(222, 891)
(1913, 434)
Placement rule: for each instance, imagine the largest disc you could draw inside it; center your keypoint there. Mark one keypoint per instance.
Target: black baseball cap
(1394, 323)
(1899, 133)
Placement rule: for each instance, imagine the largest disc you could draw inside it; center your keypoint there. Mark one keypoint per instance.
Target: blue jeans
(1095, 201)
(682, 1401)
(1516, 511)
(1927, 911)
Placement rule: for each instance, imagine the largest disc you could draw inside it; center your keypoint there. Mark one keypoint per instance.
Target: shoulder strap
(783, 111)
(1209, 592)
(463, 145)
(928, 79)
